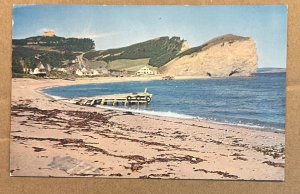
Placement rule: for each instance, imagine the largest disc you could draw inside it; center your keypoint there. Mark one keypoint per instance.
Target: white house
(146, 70)
(61, 70)
(95, 72)
(39, 70)
(84, 71)
(48, 68)
(79, 72)
(104, 71)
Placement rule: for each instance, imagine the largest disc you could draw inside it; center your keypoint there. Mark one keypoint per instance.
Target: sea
(256, 102)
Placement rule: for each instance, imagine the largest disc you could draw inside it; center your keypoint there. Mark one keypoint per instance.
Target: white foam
(183, 116)
(149, 112)
(250, 125)
(55, 97)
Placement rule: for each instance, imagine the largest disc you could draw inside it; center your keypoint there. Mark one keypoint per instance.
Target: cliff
(227, 55)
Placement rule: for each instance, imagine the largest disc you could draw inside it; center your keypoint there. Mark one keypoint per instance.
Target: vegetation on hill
(59, 43)
(60, 52)
(230, 38)
(128, 64)
(27, 53)
(30, 57)
(159, 51)
(95, 64)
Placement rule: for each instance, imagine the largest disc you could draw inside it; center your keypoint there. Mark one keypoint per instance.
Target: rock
(225, 56)
(185, 46)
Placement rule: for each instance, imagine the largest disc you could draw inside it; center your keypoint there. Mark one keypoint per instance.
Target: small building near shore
(40, 70)
(94, 72)
(85, 72)
(61, 70)
(146, 70)
(47, 68)
(104, 71)
(79, 72)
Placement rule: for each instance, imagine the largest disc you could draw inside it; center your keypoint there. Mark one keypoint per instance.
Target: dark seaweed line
(79, 143)
(85, 124)
(224, 174)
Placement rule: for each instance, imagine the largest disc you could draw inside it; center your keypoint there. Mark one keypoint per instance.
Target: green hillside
(58, 43)
(33, 56)
(127, 64)
(95, 64)
(49, 50)
(159, 51)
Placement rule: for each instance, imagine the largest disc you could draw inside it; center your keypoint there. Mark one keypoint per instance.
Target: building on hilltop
(48, 34)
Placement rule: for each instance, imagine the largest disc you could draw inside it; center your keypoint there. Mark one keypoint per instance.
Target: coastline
(159, 113)
(66, 140)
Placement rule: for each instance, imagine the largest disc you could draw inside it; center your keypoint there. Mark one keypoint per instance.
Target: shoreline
(108, 143)
(158, 113)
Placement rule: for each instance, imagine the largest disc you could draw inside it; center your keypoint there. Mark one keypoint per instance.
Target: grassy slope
(159, 51)
(95, 64)
(49, 50)
(52, 57)
(128, 64)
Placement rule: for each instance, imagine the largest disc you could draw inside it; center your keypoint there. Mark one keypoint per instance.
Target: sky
(118, 26)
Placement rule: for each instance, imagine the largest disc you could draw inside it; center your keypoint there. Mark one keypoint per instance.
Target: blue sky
(117, 26)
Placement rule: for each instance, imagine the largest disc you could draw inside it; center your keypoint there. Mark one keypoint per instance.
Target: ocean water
(257, 101)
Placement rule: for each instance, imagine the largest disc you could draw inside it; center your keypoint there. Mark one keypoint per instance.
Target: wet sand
(56, 139)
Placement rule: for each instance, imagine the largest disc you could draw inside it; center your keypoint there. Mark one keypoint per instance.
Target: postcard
(162, 92)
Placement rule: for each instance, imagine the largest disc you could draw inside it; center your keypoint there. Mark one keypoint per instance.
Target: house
(39, 70)
(79, 72)
(47, 68)
(95, 72)
(32, 42)
(26, 70)
(104, 71)
(85, 72)
(146, 70)
(61, 70)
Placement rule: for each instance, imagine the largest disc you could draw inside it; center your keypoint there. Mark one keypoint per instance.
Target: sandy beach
(55, 139)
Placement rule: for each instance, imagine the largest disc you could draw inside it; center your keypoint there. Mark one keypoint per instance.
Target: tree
(16, 66)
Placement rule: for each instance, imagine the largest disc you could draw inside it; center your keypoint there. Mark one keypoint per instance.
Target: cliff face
(185, 46)
(224, 56)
